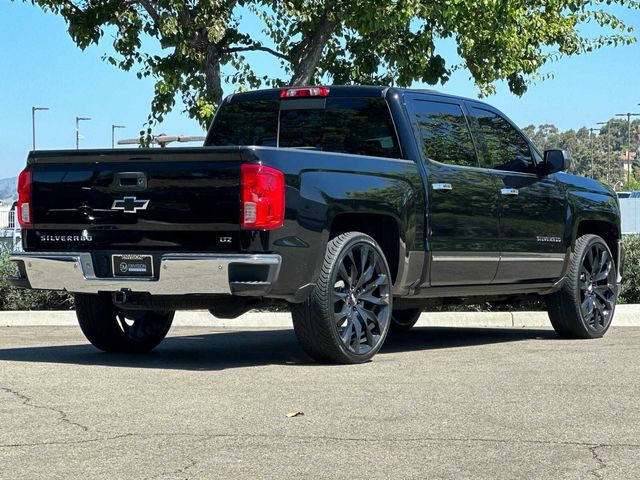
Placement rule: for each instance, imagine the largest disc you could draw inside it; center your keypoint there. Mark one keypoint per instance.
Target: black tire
(584, 306)
(403, 320)
(347, 316)
(113, 330)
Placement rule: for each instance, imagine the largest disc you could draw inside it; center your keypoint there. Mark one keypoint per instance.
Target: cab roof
(336, 91)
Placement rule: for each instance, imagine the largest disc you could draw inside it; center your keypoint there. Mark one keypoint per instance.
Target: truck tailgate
(136, 199)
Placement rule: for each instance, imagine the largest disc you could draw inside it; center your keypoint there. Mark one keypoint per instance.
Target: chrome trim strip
(532, 259)
(508, 257)
(179, 274)
(452, 258)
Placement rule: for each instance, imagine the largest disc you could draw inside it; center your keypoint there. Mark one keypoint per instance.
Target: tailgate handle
(131, 180)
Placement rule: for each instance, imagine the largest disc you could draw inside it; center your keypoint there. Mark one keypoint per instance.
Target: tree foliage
(334, 41)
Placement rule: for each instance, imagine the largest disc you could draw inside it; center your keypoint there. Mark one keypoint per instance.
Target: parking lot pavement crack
(601, 465)
(192, 463)
(28, 401)
(66, 442)
(205, 436)
(437, 439)
(211, 436)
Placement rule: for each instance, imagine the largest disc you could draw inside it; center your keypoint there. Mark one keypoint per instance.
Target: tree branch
(73, 6)
(306, 54)
(257, 48)
(149, 8)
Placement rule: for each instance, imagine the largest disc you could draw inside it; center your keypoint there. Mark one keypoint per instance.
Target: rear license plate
(132, 265)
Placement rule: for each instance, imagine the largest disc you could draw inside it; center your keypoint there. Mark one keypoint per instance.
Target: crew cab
(358, 206)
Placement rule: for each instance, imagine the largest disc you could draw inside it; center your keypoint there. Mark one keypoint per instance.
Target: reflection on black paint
(445, 134)
(503, 146)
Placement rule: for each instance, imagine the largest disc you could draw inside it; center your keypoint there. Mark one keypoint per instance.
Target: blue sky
(40, 65)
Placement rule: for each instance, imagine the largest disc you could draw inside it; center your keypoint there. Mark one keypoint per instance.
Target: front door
(532, 207)
(462, 199)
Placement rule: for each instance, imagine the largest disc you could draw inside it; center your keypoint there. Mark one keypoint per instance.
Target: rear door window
(443, 133)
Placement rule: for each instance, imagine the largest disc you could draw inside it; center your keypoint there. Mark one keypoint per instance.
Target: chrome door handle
(509, 191)
(445, 187)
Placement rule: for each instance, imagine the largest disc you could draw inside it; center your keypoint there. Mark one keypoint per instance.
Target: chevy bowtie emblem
(130, 204)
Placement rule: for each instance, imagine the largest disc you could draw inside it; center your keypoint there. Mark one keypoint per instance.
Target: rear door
(532, 207)
(462, 197)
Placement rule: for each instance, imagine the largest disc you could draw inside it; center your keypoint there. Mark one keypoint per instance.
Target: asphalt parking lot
(437, 403)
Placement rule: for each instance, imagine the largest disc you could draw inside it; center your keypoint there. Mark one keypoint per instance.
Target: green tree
(196, 38)
(337, 41)
(590, 153)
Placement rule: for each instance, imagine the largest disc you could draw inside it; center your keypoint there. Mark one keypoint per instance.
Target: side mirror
(556, 161)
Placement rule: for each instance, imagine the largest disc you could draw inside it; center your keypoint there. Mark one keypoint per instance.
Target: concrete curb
(625, 316)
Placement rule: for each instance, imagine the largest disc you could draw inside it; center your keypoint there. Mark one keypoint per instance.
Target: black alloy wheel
(361, 293)
(347, 316)
(139, 325)
(403, 320)
(584, 305)
(112, 329)
(598, 291)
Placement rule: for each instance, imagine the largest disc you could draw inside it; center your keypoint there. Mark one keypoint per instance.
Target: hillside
(8, 190)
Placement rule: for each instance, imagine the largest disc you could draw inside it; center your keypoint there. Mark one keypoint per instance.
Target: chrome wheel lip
(361, 299)
(597, 287)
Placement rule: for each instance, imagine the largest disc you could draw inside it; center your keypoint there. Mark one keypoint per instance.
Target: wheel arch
(383, 228)
(607, 229)
(597, 213)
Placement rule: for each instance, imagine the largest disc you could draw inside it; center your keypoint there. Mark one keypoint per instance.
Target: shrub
(20, 299)
(630, 292)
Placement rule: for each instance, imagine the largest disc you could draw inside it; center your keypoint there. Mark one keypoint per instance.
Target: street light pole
(113, 135)
(593, 150)
(628, 115)
(78, 120)
(33, 123)
(608, 148)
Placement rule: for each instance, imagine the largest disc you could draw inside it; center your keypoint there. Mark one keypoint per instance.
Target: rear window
(359, 126)
(246, 123)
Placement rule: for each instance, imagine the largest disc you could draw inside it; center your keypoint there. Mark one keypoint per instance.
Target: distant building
(9, 227)
(625, 159)
(6, 217)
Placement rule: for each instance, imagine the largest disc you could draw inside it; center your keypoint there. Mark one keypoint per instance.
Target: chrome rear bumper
(180, 274)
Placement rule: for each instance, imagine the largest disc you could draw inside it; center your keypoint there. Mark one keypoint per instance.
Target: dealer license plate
(132, 265)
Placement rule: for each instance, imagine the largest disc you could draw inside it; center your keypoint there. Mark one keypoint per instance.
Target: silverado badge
(83, 237)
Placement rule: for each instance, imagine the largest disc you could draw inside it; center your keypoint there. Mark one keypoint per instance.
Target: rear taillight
(25, 204)
(262, 197)
(304, 92)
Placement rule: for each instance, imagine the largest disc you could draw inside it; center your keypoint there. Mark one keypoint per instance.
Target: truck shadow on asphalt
(237, 349)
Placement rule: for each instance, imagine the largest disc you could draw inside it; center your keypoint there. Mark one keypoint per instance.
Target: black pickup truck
(359, 206)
